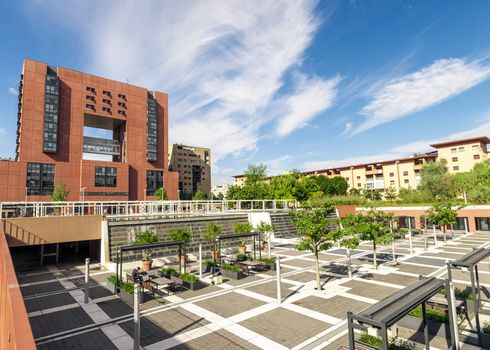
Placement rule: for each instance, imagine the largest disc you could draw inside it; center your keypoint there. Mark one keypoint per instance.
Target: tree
(212, 231)
(181, 234)
(265, 229)
(255, 173)
(243, 227)
(199, 196)
(436, 180)
(338, 186)
(161, 194)
(144, 238)
(371, 227)
(347, 237)
(60, 193)
(390, 194)
(443, 214)
(371, 194)
(219, 197)
(315, 227)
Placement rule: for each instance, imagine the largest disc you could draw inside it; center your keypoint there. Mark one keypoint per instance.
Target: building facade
(194, 167)
(56, 108)
(461, 156)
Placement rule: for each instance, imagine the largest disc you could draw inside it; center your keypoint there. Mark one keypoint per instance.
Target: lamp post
(82, 193)
(144, 195)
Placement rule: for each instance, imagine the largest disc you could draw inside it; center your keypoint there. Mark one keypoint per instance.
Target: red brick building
(56, 106)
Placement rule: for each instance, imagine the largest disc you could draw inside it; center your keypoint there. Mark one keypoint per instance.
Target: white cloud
(348, 128)
(276, 166)
(12, 91)
(312, 96)
(429, 86)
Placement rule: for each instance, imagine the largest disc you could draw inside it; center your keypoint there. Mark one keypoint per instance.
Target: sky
(292, 84)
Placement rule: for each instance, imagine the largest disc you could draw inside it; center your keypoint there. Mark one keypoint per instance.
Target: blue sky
(294, 84)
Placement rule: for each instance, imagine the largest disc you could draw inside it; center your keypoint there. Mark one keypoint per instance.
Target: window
(455, 159)
(105, 176)
(121, 112)
(453, 150)
(358, 184)
(405, 173)
(51, 111)
(476, 156)
(90, 98)
(105, 100)
(121, 96)
(461, 149)
(121, 104)
(392, 182)
(392, 174)
(40, 179)
(455, 168)
(346, 179)
(106, 93)
(151, 127)
(358, 177)
(89, 106)
(154, 181)
(474, 147)
(406, 181)
(106, 109)
(91, 89)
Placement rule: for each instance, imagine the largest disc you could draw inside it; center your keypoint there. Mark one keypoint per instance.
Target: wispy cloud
(348, 128)
(312, 96)
(427, 87)
(12, 91)
(223, 63)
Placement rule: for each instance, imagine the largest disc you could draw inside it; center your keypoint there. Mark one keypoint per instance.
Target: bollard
(435, 236)
(269, 246)
(465, 220)
(136, 317)
(349, 263)
(200, 260)
(410, 235)
(87, 271)
(278, 273)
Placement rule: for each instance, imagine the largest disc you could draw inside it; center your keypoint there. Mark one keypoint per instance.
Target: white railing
(141, 208)
(376, 184)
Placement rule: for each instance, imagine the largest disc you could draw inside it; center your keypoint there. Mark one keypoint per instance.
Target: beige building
(194, 167)
(461, 156)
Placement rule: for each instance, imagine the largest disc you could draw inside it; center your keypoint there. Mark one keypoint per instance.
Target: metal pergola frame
(128, 248)
(238, 235)
(470, 261)
(389, 311)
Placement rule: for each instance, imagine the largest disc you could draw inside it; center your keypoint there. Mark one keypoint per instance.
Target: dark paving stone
(150, 332)
(41, 288)
(298, 263)
(230, 304)
(449, 256)
(219, 340)
(426, 261)
(36, 278)
(187, 294)
(60, 321)
(115, 308)
(93, 340)
(369, 290)
(307, 276)
(285, 327)
(98, 292)
(47, 302)
(343, 251)
(393, 278)
(336, 306)
(270, 289)
(420, 270)
(247, 279)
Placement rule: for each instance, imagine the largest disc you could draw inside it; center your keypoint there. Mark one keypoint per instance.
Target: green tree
(371, 227)
(255, 173)
(219, 197)
(338, 186)
(315, 227)
(161, 194)
(390, 194)
(265, 229)
(181, 234)
(144, 238)
(60, 193)
(199, 196)
(371, 194)
(436, 180)
(211, 231)
(443, 214)
(347, 237)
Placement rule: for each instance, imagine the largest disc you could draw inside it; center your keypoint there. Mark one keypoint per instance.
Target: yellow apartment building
(461, 156)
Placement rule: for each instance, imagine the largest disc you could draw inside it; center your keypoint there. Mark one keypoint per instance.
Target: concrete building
(57, 108)
(194, 167)
(217, 189)
(461, 156)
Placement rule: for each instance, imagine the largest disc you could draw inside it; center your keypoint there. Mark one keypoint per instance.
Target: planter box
(193, 285)
(271, 267)
(232, 275)
(207, 268)
(124, 296)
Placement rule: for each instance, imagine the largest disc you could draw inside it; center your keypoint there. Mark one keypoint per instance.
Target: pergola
(470, 262)
(129, 248)
(255, 236)
(389, 311)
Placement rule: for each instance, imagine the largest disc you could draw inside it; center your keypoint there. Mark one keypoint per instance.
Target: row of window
(40, 179)
(461, 149)
(51, 100)
(475, 157)
(151, 124)
(105, 93)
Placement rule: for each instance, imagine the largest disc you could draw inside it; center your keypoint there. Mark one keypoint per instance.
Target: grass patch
(230, 268)
(189, 277)
(434, 314)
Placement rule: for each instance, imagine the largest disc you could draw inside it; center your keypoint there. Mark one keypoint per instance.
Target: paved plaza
(240, 314)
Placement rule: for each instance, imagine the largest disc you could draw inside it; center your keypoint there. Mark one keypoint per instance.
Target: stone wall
(122, 233)
(282, 225)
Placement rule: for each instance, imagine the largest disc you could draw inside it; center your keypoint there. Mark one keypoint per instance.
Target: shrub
(127, 287)
(208, 262)
(230, 268)
(268, 261)
(169, 271)
(486, 327)
(371, 340)
(189, 277)
(242, 257)
(144, 238)
(434, 314)
(395, 343)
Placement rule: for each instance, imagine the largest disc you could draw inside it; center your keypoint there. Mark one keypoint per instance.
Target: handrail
(15, 329)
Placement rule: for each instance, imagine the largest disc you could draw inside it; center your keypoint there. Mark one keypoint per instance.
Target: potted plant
(243, 227)
(191, 281)
(230, 271)
(265, 229)
(269, 262)
(212, 231)
(181, 234)
(207, 265)
(168, 272)
(243, 257)
(126, 290)
(144, 238)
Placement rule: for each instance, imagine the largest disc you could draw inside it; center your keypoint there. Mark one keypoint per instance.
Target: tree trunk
(349, 263)
(443, 228)
(317, 264)
(375, 265)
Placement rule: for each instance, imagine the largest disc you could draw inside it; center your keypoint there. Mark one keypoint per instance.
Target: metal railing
(141, 208)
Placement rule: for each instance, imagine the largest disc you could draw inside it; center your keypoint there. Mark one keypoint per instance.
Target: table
(251, 264)
(161, 281)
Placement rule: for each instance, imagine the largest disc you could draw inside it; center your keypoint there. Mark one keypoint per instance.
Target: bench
(176, 282)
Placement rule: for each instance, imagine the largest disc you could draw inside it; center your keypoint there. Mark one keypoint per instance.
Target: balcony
(376, 184)
(101, 146)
